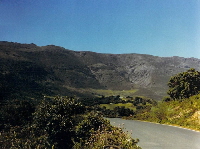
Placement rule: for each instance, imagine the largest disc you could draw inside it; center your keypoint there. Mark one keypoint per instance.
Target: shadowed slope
(29, 70)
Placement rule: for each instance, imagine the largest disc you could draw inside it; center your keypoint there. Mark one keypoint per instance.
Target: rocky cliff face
(125, 71)
(51, 69)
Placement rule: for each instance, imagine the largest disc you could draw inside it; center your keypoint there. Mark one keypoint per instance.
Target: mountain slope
(27, 70)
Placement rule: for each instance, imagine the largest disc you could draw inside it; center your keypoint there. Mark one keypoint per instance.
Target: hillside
(184, 113)
(27, 70)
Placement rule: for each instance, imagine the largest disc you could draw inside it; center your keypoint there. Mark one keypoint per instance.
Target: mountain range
(31, 71)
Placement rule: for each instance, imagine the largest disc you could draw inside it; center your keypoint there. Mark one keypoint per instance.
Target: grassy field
(123, 93)
(100, 92)
(112, 106)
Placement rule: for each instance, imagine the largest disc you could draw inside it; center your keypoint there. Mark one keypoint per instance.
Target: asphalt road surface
(157, 136)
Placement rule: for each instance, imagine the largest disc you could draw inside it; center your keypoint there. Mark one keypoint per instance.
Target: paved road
(157, 136)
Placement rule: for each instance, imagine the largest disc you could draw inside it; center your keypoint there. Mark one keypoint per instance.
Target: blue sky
(156, 27)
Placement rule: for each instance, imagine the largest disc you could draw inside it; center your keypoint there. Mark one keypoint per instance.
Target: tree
(57, 117)
(184, 85)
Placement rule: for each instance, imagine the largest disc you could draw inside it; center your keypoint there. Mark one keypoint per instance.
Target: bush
(57, 118)
(16, 113)
(109, 137)
(90, 123)
(56, 123)
(184, 85)
(24, 138)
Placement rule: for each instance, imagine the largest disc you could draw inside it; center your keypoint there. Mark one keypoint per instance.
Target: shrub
(57, 118)
(109, 137)
(16, 113)
(184, 85)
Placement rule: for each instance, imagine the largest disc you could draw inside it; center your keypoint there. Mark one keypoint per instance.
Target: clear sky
(156, 27)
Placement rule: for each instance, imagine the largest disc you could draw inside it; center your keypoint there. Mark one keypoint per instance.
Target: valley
(28, 70)
(63, 91)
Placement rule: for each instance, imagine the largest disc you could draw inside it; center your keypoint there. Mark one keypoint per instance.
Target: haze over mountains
(27, 70)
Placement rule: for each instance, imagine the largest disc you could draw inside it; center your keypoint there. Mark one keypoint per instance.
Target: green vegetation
(185, 113)
(183, 108)
(61, 122)
(102, 86)
(123, 93)
(91, 92)
(118, 111)
(107, 138)
(112, 106)
(184, 85)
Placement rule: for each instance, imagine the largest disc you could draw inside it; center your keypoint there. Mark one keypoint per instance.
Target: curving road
(157, 136)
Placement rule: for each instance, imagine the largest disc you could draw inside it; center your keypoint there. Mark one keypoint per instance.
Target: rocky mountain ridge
(27, 69)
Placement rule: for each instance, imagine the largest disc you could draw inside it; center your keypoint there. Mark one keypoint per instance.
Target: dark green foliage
(89, 124)
(143, 101)
(23, 137)
(167, 99)
(101, 100)
(140, 104)
(57, 118)
(16, 113)
(58, 123)
(116, 112)
(122, 111)
(54, 122)
(184, 85)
